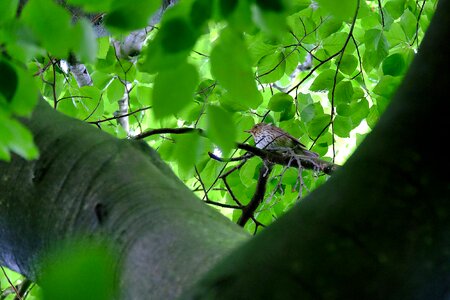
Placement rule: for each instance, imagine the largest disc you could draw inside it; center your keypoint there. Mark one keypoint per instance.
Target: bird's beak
(248, 131)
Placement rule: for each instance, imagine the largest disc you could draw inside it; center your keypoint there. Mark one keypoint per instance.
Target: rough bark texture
(379, 229)
(91, 184)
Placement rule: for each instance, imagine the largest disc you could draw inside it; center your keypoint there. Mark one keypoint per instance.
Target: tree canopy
(190, 77)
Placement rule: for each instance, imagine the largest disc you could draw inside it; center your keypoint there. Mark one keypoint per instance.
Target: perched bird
(270, 137)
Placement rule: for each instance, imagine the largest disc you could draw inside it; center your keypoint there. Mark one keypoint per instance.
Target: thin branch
(23, 289)
(243, 157)
(416, 36)
(167, 131)
(10, 283)
(381, 12)
(222, 204)
(249, 210)
(116, 117)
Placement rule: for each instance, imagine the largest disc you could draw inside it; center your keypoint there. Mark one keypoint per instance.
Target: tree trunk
(379, 228)
(87, 183)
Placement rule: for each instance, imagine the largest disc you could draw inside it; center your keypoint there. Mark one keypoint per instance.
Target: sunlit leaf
(343, 10)
(8, 9)
(271, 67)
(377, 48)
(280, 102)
(325, 80)
(343, 92)
(81, 271)
(348, 64)
(221, 129)
(234, 73)
(51, 25)
(170, 97)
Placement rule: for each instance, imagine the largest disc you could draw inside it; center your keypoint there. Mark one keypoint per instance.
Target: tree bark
(87, 183)
(379, 228)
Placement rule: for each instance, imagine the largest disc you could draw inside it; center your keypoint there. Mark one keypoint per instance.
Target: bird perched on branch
(270, 137)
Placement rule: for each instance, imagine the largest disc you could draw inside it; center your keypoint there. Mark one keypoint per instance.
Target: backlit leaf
(221, 129)
(231, 66)
(170, 96)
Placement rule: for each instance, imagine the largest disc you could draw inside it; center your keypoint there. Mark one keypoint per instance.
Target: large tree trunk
(377, 230)
(380, 228)
(87, 183)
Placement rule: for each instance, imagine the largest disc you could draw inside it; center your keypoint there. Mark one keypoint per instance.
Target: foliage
(322, 71)
(221, 67)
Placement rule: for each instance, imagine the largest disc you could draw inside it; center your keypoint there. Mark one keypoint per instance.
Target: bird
(270, 137)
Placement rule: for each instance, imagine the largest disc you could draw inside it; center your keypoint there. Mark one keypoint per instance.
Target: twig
(166, 131)
(10, 283)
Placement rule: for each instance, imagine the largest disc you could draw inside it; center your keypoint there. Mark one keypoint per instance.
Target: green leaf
(248, 171)
(394, 65)
(221, 129)
(334, 43)
(103, 47)
(343, 92)
(79, 271)
(181, 29)
(325, 81)
(377, 48)
(288, 113)
(318, 125)
(292, 60)
(373, 116)
(280, 102)
(394, 8)
(329, 26)
(115, 90)
(127, 16)
(51, 25)
(348, 64)
(92, 105)
(395, 35)
(26, 95)
(86, 41)
(271, 67)
(187, 151)
(169, 99)
(408, 22)
(231, 66)
(387, 86)
(356, 111)
(342, 126)
(8, 80)
(16, 138)
(343, 10)
(8, 9)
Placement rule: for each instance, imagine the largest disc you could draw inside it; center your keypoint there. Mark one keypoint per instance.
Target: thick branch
(291, 160)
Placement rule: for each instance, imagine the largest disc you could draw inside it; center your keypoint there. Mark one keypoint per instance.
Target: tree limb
(287, 159)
